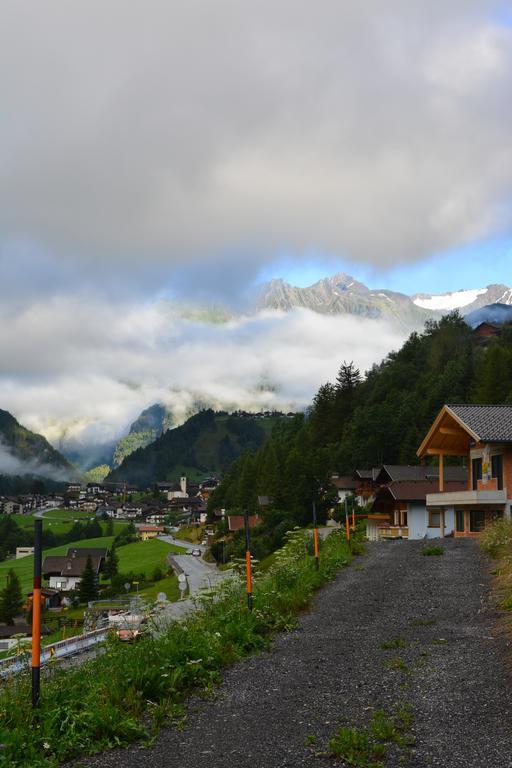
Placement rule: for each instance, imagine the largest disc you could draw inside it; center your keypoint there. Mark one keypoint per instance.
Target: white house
(65, 572)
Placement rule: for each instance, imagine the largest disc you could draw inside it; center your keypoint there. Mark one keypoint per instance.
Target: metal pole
(36, 615)
(353, 516)
(315, 538)
(248, 571)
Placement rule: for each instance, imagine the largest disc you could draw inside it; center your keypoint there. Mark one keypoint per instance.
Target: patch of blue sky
(473, 266)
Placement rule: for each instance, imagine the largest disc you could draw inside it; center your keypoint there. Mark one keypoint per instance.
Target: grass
(395, 642)
(190, 533)
(24, 568)
(145, 556)
(367, 747)
(432, 551)
(423, 622)
(125, 694)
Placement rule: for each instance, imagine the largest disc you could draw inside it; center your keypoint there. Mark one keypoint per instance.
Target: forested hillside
(361, 422)
(207, 443)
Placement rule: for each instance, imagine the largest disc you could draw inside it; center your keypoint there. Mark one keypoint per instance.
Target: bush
(497, 539)
(432, 551)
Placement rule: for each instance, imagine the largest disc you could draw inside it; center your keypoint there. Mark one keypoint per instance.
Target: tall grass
(496, 541)
(123, 695)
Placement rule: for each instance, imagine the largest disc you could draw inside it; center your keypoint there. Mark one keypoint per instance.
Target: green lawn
(68, 514)
(145, 556)
(141, 556)
(169, 585)
(25, 567)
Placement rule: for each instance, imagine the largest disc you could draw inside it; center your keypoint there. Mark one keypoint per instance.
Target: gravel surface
(451, 670)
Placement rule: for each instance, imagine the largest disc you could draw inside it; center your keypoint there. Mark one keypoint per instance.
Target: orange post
(36, 615)
(353, 518)
(248, 571)
(347, 527)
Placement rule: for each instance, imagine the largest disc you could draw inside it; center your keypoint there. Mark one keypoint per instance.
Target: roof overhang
(448, 436)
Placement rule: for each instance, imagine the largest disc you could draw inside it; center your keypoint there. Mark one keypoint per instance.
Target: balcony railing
(466, 499)
(393, 532)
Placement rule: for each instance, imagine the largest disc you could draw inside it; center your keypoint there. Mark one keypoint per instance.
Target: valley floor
(441, 658)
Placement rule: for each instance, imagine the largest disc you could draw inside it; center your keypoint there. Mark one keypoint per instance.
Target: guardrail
(59, 650)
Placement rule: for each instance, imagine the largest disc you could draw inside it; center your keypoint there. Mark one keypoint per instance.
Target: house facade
(65, 572)
(400, 510)
(482, 435)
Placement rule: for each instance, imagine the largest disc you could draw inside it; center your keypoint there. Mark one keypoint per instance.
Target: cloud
(12, 465)
(173, 132)
(84, 370)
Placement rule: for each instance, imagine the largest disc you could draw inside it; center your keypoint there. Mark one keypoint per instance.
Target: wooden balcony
(393, 532)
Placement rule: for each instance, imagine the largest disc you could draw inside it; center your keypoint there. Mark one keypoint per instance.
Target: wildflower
(46, 745)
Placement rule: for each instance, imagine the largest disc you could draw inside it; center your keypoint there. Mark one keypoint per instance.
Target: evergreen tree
(11, 600)
(109, 530)
(88, 587)
(112, 563)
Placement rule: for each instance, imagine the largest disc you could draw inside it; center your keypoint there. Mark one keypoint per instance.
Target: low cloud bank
(82, 371)
(12, 465)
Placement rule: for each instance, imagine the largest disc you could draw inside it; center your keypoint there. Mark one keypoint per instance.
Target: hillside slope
(207, 443)
(23, 452)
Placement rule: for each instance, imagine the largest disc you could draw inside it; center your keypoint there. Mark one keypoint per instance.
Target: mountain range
(343, 294)
(338, 295)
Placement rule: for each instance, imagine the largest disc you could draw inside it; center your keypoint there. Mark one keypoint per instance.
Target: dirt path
(451, 672)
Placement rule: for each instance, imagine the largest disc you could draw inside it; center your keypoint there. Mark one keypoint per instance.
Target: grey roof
(492, 423)
(394, 472)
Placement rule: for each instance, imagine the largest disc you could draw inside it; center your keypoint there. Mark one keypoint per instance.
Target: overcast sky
(157, 149)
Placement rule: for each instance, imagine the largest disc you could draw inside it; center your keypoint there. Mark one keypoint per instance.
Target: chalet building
(147, 532)
(346, 485)
(486, 331)
(65, 572)
(482, 435)
(400, 509)
(236, 522)
(366, 485)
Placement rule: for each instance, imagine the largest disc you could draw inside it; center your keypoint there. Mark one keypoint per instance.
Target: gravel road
(451, 671)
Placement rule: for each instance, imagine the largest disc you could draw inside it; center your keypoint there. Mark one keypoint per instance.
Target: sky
(181, 151)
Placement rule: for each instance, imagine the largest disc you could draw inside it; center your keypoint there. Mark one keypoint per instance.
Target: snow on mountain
(449, 301)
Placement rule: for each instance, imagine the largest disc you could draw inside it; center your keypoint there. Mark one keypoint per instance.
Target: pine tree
(88, 588)
(11, 600)
(109, 530)
(112, 563)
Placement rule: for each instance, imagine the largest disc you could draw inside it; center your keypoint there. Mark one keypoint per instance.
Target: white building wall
(417, 519)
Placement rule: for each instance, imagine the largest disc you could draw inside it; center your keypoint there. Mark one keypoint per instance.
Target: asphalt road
(450, 668)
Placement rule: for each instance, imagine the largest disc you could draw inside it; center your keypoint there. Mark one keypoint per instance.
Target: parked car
(196, 552)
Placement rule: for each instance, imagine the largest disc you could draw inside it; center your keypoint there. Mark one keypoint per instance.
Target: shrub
(432, 551)
(497, 538)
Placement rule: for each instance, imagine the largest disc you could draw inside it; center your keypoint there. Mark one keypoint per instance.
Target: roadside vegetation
(126, 694)
(496, 541)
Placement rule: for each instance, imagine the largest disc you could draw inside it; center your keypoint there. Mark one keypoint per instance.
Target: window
(476, 520)
(434, 519)
(460, 521)
(497, 469)
(477, 472)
